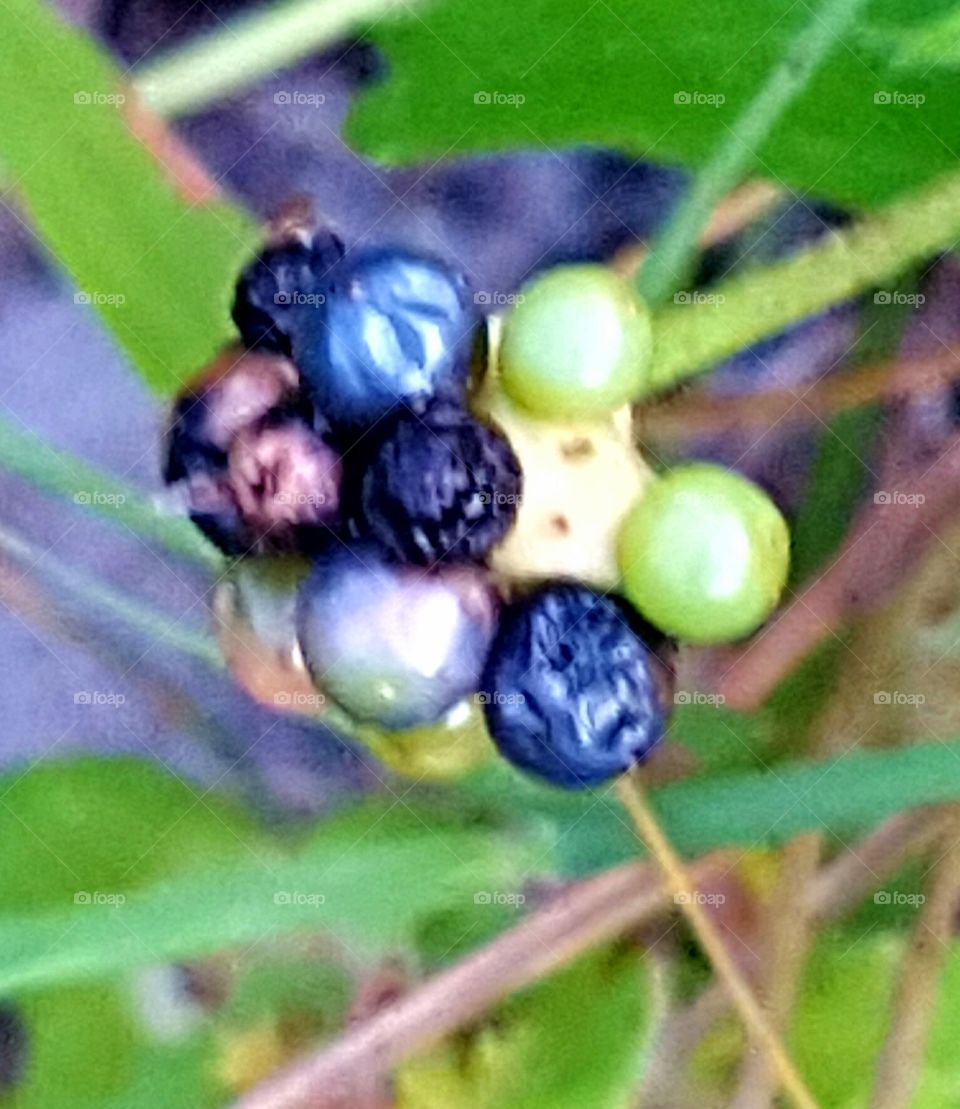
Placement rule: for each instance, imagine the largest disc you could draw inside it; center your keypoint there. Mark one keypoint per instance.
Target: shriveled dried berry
(440, 487)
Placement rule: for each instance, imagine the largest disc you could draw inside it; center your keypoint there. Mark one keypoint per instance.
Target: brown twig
(685, 892)
(838, 887)
(735, 212)
(182, 168)
(698, 412)
(786, 942)
(835, 889)
(901, 1060)
(593, 911)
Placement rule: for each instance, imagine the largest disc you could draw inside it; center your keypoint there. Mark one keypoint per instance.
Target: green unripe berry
(704, 554)
(577, 344)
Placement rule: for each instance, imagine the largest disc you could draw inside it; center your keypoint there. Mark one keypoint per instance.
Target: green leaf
(613, 74)
(843, 797)
(84, 827)
(573, 1040)
(371, 873)
(82, 1046)
(929, 44)
(159, 270)
(840, 1016)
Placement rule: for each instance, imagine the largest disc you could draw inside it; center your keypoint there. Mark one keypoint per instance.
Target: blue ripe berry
(394, 646)
(570, 691)
(279, 284)
(394, 329)
(439, 487)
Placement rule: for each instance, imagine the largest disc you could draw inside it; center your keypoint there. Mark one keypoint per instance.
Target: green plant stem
(691, 338)
(108, 601)
(670, 262)
(250, 48)
(63, 474)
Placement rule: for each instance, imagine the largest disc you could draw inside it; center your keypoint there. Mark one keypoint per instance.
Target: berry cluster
(465, 530)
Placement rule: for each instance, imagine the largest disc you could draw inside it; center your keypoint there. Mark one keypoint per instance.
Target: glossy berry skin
(439, 487)
(279, 285)
(577, 344)
(394, 646)
(570, 691)
(394, 329)
(704, 554)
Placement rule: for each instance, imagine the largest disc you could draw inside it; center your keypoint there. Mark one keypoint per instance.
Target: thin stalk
(901, 1060)
(633, 796)
(690, 338)
(109, 601)
(56, 471)
(249, 48)
(670, 262)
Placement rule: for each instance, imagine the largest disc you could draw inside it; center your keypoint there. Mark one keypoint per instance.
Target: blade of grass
(252, 47)
(369, 874)
(671, 260)
(133, 612)
(690, 338)
(65, 475)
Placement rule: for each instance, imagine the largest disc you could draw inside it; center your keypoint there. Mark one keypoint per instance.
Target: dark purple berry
(280, 285)
(394, 328)
(439, 487)
(394, 645)
(570, 691)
